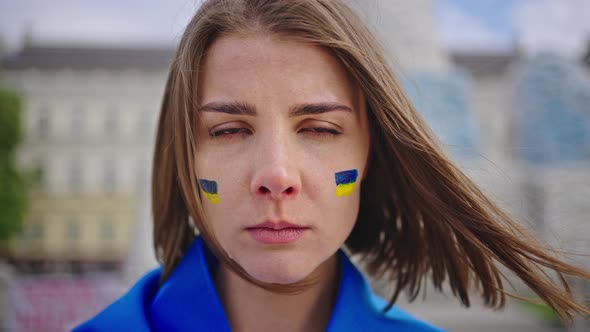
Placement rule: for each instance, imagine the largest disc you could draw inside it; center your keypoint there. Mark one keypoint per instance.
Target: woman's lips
(276, 232)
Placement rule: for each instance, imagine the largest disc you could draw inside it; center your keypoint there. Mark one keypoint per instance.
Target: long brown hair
(419, 216)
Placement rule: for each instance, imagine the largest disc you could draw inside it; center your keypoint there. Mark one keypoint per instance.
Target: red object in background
(58, 302)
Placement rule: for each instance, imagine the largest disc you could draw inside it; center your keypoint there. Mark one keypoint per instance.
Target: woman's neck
(251, 308)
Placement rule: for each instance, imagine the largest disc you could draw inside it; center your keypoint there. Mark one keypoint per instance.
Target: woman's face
(278, 120)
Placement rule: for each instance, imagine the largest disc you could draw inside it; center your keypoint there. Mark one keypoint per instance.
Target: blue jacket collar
(188, 301)
(188, 298)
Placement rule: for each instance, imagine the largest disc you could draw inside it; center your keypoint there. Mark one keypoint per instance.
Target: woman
(283, 137)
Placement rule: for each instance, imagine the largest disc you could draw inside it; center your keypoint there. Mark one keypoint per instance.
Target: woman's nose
(276, 176)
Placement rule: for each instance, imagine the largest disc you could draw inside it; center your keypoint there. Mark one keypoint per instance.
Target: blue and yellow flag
(345, 182)
(210, 190)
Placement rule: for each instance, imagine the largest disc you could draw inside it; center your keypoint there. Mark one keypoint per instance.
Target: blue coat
(187, 301)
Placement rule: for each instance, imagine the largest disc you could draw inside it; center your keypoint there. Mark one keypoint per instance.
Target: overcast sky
(561, 26)
(558, 25)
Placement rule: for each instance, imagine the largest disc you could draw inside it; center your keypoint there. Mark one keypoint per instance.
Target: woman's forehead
(272, 50)
(256, 66)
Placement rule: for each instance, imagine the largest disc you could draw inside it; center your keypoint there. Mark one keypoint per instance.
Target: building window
(33, 230)
(110, 122)
(43, 122)
(77, 122)
(109, 176)
(107, 232)
(145, 124)
(40, 174)
(75, 175)
(141, 175)
(72, 230)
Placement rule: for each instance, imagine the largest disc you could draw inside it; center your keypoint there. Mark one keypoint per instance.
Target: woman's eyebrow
(234, 108)
(238, 108)
(317, 108)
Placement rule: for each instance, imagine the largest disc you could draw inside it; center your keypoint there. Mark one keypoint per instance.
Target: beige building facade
(89, 118)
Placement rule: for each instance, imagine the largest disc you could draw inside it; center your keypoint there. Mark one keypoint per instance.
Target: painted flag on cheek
(345, 181)
(209, 188)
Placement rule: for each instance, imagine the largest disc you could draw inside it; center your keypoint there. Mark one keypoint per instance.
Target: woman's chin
(283, 267)
(278, 276)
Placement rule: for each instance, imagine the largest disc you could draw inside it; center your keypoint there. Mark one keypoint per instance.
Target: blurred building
(495, 162)
(554, 135)
(491, 94)
(517, 125)
(89, 117)
(408, 31)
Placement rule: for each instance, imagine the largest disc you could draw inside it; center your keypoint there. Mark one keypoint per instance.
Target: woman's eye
(320, 131)
(228, 132)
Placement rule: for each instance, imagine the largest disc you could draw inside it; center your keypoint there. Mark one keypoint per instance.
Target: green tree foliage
(13, 196)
